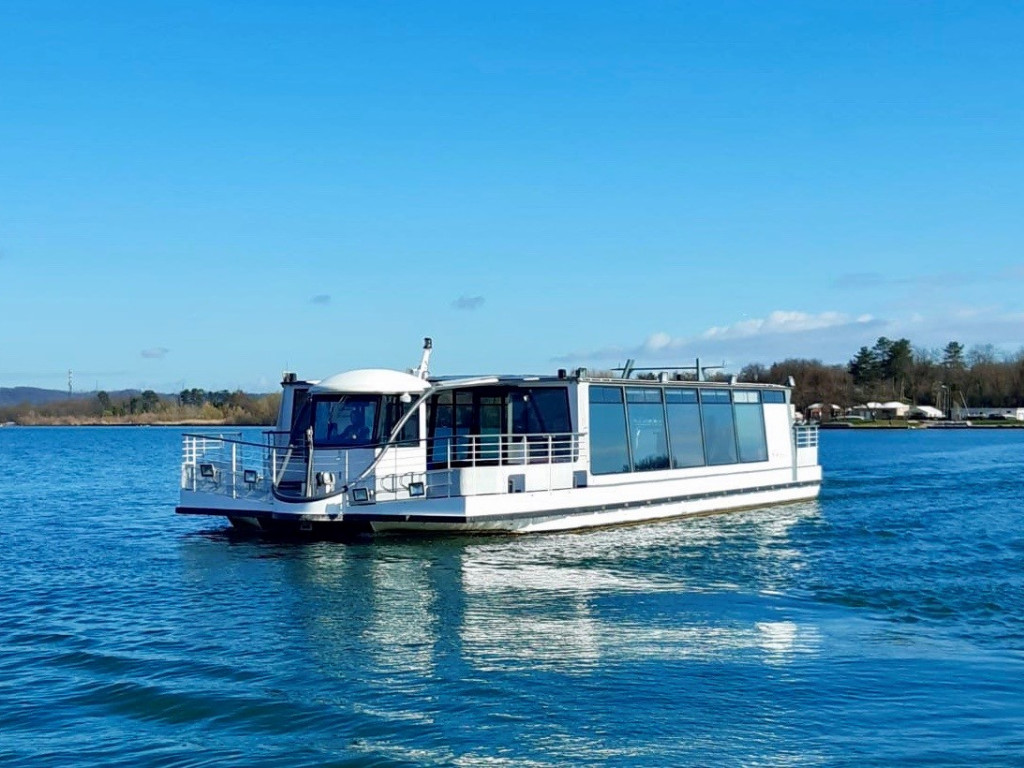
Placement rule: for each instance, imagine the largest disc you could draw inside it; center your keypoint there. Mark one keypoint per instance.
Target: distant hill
(10, 396)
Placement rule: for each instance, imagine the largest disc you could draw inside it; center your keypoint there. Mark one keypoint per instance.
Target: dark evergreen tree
(953, 356)
(864, 367)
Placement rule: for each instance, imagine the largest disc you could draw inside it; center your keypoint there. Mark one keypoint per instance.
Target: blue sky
(204, 194)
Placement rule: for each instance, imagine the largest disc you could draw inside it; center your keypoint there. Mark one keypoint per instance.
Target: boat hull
(575, 509)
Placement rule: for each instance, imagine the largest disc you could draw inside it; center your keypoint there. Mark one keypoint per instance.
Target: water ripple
(881, 625)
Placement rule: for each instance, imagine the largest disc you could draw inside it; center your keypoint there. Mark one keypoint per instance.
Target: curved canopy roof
(371, 381)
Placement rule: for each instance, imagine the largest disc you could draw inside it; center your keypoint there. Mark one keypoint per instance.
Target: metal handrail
(232, 456)
(504, 449)
(223, 464)
(224, 438)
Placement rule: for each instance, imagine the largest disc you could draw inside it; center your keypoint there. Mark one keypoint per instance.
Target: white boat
(390, 451)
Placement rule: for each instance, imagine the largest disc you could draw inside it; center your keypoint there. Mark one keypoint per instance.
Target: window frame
(628, 468)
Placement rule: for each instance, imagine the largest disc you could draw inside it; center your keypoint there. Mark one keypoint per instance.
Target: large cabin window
(647, 428)
(302, 419)
(394, 410)
(491, 416)
(491, 425)
(609, 446)
(643, 428)
(440, 424)
(465, 427)
(684, 428)
(344, 421)
(750, 436)
(719, 426)
(538, 412)
(300, 408)
(462, 445)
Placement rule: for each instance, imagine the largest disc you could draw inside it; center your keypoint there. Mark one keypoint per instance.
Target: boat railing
(455, 451)
(228, 464)
(805, 435)
(225, 464)
(447, 456)
(444, 452)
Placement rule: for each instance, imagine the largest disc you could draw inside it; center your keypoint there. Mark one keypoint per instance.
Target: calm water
(883, 624)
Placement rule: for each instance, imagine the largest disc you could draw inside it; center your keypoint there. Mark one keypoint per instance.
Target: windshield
(344, 420)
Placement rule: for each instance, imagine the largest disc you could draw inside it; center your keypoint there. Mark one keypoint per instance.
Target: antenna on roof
(421, 370)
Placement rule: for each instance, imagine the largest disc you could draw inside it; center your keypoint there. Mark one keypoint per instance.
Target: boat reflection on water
(643, 594)
(398, 639)
(692, 589)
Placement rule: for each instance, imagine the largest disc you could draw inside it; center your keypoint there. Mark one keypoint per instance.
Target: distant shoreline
(844, 426)
(98, 423)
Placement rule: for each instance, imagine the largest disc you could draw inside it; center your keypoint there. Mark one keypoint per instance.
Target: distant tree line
(148, 407)
(895, 370)
(219, 399)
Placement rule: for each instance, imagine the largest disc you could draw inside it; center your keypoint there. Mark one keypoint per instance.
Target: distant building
(925, 412)
(815, 411)
(1013, 414)
(872, 411)
(894, 410)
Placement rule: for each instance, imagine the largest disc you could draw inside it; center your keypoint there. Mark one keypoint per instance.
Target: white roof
(894, 404)
(928, 410)
(371, 381)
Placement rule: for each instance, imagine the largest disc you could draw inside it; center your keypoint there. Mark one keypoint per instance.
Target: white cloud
(658, 341)
(782, 321)
(781, 334)
(832, 337)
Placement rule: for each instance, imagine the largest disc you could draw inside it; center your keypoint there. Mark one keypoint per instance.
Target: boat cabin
(429, 430)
